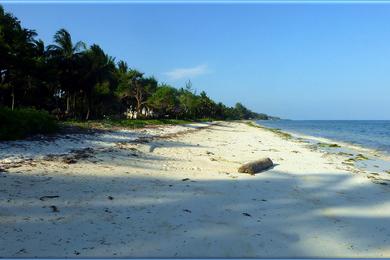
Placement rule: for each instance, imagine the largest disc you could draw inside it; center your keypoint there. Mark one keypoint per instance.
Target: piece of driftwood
(256, 166)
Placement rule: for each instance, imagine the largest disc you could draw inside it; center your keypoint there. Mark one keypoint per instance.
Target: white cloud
(186, 73)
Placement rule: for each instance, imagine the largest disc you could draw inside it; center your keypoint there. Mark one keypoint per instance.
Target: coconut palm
(122, 67)
(65, 53)
(16, 62)
(64, 46)
(99, 69)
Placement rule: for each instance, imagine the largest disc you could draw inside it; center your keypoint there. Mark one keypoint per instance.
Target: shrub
(20, 123)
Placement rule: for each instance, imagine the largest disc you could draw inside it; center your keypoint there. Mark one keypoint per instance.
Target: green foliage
(164, 101)
(127, 123)
(277, 131)
(358, 157)
(361, 157)
(74, 81)
(188, 103)
(326, 145)
(20, 123)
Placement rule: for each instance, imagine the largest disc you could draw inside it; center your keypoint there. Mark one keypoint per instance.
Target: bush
(126, 123)
(20, 123)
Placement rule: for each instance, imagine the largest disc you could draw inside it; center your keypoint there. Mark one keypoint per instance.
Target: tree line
(72, 80)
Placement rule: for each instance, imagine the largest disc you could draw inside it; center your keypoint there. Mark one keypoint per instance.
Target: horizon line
(194, 2)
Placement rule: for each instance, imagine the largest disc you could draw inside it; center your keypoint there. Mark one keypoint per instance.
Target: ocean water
(373, 134)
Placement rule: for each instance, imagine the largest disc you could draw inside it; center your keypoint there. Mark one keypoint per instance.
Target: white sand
(130, 200)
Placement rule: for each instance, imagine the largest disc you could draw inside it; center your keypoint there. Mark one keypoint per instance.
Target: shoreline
(348, 150)
(331, 141)
(174, 191)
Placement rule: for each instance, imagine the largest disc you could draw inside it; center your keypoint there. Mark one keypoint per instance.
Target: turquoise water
(373, 134)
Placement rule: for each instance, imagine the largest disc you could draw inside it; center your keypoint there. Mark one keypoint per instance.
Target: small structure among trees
(72, 80)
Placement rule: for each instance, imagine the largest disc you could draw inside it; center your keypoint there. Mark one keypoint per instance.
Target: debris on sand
(43, 198)
(141, 140)
(54, 208)
(69, 161)
(256, 166)
(4, 166)
(72, 157)
(327, 145)
(185, 179)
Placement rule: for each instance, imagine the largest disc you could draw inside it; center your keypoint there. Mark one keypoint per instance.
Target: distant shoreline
(336, 132)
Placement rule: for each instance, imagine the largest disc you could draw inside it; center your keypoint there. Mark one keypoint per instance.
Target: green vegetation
(358, 157)
(388, 171)
(350, 161)
(73, 81)
(345, 154)
(274, 130)
(361, 157)
(127, 123)
(20, 123)
(326, 145)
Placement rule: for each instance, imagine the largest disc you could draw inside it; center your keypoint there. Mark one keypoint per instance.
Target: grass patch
(388, 171)
(274, 130)
(129, 123)
(21, 123)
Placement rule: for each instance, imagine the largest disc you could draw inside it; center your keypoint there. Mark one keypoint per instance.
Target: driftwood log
(256, 166)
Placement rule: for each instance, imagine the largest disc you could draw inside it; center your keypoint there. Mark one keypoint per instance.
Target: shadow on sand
(124, 214)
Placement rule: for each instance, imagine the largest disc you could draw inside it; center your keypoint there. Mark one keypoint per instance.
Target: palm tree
(122, 67)
(64, 46)
(100, 68)
(66, 53)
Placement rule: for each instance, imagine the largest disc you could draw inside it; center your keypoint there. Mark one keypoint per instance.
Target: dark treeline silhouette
(71, 80)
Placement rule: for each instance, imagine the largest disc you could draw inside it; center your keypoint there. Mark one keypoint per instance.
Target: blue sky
(297, 61)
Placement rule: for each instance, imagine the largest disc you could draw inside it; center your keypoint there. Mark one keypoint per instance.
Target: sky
(295, 61)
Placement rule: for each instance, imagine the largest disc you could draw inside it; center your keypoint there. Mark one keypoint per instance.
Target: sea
(373, 134)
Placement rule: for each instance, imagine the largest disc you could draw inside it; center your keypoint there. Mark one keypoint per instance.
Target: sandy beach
(174, 191)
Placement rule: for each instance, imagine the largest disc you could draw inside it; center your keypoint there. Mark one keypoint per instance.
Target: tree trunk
(67, 104)
(88, 111)
(256, 166)
(88, 107)
(138, 97)
(139, 110)
(74, 103)
(13, 99)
